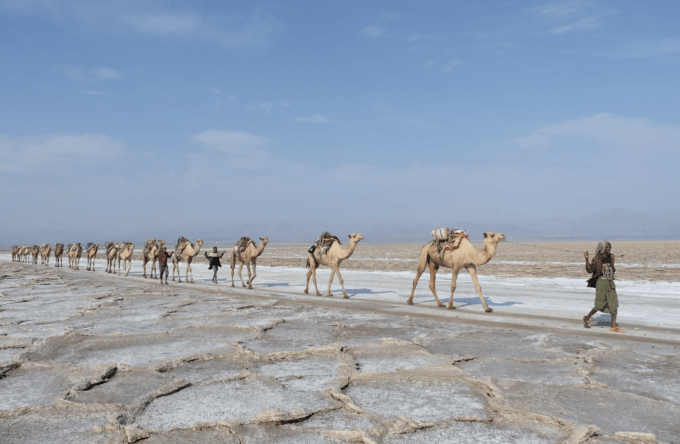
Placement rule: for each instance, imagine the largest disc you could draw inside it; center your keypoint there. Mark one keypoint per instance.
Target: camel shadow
(275, 284)
(359, 291)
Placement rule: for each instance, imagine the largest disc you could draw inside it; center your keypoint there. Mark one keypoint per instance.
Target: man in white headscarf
(214, 259)
(603, 269)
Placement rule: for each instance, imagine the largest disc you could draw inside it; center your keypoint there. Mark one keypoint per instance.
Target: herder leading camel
(464, 256)
(249, 254)
(331, 256)
(150, 254)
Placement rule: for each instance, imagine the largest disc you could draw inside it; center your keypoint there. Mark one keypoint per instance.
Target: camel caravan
(448, 248)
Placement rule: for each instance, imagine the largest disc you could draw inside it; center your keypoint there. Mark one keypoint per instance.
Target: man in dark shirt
(214, 259)
(163, 257)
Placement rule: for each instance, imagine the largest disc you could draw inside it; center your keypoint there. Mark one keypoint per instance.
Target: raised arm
(589, 268)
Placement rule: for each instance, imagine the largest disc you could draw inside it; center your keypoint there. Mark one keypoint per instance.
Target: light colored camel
(465, 256)
(111, 255)
(74, 253)
(91, 256)
(36, 252)
(15, 253)
(250, 254)
(331, 258)
(125, 254)
(150, 254)
(58, 252)
(45, 251)
(187, 255)
(27, 253)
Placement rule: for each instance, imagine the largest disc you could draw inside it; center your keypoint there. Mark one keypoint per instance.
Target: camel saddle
(324, 242)
(89, 244)
(447, 239)
(243, 243)
(182, 243)
(149, 243)
(109, 246)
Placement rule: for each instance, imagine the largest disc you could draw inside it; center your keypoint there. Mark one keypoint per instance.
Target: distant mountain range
(613, 224)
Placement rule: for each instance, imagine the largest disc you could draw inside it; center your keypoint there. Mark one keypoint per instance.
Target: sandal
(617, 330)
(586, 322)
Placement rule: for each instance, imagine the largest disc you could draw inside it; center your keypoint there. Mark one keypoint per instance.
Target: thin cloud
(373, 31)
(584, 24)
(99, 93)
(452, 65)
(56, 154)
(571, 16)
(91, 75)
(316, 118)
(236, 143)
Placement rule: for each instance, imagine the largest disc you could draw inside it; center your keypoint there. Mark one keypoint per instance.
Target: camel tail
(308, 264)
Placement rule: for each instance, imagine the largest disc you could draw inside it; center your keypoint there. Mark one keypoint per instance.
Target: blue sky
(130, 112)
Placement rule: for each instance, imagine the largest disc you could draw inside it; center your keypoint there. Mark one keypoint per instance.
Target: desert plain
(90, 357)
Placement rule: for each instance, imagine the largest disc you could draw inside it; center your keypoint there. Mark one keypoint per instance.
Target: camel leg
(250, 284)
(249, 276)
(233, 266)
(154, 273)
(240, 268)
(422, 264)
(311, 264)
(189, 271)
(314, 279)
(433, 278)
(473, 272)
(330, 281)
(342, 283)
(144, 268)
(128, 267)
(454, 279)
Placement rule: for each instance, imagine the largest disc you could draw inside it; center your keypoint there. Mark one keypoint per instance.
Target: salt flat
(94, 357)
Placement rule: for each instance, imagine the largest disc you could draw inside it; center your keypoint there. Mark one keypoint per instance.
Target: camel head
(161, 242)
(199, 242)
(264, 240)
(355, 237)
(493, 238)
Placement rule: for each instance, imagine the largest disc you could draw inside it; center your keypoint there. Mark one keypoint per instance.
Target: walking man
(214, 259)
(163, 257)
(602, 280)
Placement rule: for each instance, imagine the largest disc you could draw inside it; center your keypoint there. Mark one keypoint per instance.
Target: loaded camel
(74, 253)
(58, 251)
(330, 255)
(185, 251)
(150, 254)
(464, 255)
(125, 254)
(45, 251)
(111, 255)
(246, 252)
(91, 251)
(36, 253)
(27, 253)
(15, 253)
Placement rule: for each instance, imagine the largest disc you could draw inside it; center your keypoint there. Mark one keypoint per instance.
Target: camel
(464, 256)
(27, 254)
(150, 254)
(331, 257)
(15, 253)
(125, 254)
(91, 251)
(45, 251)
(36, 252)
(74, 253)
(58, 251)
(250, 254)
(111, 255)
(185, 251)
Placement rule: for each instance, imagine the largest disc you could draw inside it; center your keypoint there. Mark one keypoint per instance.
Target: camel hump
(243, 243)
(182, 243)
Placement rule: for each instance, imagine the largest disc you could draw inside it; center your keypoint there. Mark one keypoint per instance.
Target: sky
(185, 114)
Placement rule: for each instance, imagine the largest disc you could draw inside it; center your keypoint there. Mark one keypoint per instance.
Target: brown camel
(249, 254)
(331, 256)
(125, 254)
(45, 251)
(74, 253)
(15, 253)
(463, 256)
(36, 252)
(150, 254)
(91, 256)
(58, 252)
(185, 251)
(111, 255)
